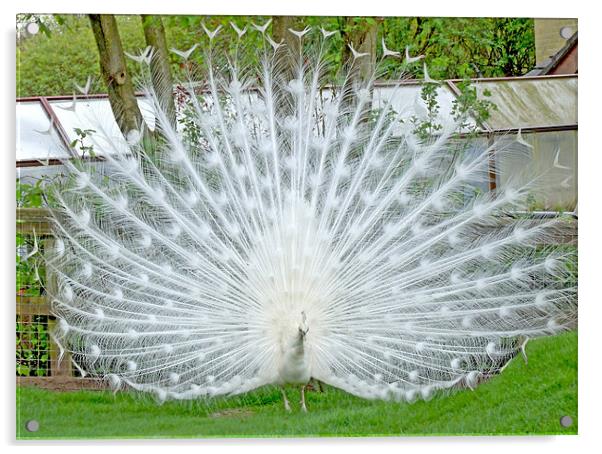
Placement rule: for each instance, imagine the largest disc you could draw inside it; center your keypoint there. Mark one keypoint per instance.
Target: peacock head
(303, 327)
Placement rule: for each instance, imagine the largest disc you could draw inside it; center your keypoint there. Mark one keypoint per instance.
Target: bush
(49, 62)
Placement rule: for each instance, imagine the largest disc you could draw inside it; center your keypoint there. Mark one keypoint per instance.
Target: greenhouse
(543, 109)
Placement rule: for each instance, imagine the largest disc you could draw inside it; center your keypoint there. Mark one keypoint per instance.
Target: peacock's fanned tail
(179, 270)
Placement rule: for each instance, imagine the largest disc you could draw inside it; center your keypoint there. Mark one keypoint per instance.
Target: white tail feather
(293, 239)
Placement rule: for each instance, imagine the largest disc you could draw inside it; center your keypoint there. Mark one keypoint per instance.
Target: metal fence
(37, 356)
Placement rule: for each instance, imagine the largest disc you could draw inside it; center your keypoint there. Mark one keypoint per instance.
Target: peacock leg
(287, 406)
(303, 407)
(320, 386)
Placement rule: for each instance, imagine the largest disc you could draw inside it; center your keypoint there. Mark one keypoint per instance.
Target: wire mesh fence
(38, 359)
(33, 346)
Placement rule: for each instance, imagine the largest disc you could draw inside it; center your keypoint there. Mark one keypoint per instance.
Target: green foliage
(512, 45)
(33, 346)
(183, 32)
(29, 195)
(352, 25)
(468, 105)
(50, 64)
(65, 51)
(191, 130)
(460, 47)
(32, 331)
(428, 126)
(80, 144)
(28, 276)
(525, 399)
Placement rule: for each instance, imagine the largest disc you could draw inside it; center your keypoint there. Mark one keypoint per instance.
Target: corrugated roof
(531, 102)
(528, 102)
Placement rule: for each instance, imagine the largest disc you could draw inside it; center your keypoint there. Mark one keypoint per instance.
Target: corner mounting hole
(566, 32)
(32, 28)
(566, 421)
(32, 425)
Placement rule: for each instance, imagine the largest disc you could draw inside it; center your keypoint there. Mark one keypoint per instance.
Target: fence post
(59, 367)
(35, 221)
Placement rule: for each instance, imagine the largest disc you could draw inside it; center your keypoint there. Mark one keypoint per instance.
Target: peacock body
(298, 234)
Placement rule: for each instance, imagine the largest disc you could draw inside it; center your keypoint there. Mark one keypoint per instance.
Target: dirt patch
(232, 413)
(63, 383)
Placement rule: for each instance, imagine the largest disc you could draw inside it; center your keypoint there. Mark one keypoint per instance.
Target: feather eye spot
(99, 313)
(67, 292)
(63, 326)
(167, 349)
(94, 351)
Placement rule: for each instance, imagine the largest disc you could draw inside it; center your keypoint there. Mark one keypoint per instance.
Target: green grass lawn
(525, 399)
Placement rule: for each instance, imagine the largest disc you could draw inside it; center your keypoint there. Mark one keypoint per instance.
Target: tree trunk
(289, 59)
(114, 72)
(154, 33)
(362, 35)
(280, 26)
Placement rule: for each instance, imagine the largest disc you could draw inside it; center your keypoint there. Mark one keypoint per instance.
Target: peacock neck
(297, 345)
